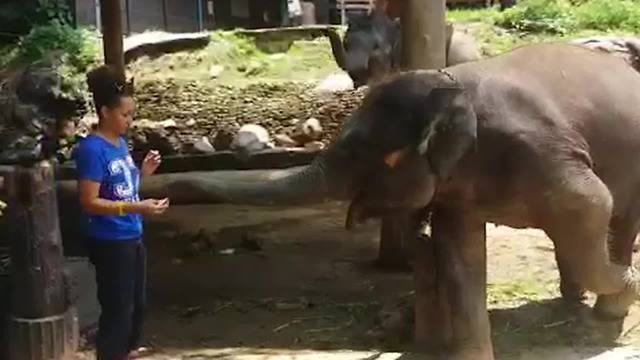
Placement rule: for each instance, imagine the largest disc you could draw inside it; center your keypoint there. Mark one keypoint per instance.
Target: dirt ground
(270, 283)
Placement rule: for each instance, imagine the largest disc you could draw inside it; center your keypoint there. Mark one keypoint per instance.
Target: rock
(306, 131)
(314, 146)
(168, 124)
(190, 123)
(250, 138)
(32, 102)
(334, 83)
(144, 124)
(215, 71)
(227, 251)
(162, 140)
(203, 146)
(223, 139)
(284, 140)
(220, 109)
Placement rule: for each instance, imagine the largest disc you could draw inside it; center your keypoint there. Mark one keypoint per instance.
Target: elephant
(501, 140)
(371, 47)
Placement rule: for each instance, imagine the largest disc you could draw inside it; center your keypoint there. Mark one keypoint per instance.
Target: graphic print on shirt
(125, 190)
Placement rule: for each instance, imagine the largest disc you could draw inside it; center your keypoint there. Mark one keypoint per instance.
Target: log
(155, 44)
(42, 324)
(222, 160)
(156, 186)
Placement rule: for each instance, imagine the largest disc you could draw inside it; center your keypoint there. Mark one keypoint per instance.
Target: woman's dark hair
(106, 87)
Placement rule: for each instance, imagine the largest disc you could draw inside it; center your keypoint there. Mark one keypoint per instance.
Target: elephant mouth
(365, 206)
(363, 209)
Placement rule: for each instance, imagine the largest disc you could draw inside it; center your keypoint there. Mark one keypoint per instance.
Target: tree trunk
(41, 324)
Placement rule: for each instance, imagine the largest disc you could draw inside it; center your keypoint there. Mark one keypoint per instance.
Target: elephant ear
(449, 130)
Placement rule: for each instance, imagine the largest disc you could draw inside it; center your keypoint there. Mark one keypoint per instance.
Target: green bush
(552, 16)
(70, 51)
(77, 46)
(562, 16)
(18, 17)
(609, 15)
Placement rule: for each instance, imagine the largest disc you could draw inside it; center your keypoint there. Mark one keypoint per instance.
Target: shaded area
(240, 282)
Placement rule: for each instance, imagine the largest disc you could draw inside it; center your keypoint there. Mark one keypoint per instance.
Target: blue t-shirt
(99, 160)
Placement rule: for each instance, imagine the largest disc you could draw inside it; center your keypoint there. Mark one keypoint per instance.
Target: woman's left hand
(150, 163)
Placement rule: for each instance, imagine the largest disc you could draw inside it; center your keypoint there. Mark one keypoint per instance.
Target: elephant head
(409, 133)
(370, 48)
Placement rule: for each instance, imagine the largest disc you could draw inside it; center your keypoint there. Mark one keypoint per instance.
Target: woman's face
(119, 118)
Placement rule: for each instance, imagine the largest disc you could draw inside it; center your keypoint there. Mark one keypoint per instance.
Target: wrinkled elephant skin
(501, 140)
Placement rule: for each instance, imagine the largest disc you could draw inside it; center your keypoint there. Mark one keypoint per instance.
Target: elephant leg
(396, 231)
(580, 212)
(623, 232)
(461, 241)
(572, 292)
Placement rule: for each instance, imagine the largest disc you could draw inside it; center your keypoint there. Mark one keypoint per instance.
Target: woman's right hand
(153, 206)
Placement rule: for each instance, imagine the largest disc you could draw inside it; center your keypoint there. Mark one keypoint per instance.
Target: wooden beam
(111, 19)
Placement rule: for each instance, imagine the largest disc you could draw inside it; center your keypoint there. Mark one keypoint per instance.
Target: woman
(108, 182)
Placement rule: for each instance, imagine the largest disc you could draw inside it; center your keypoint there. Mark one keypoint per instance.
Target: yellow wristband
(120, 206)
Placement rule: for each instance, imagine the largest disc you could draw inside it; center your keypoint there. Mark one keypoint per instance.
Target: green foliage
(563, 16)
(18, 17)
(72, 51)
(52, 10)
(551, 16)
(609, 14)
(77, 45)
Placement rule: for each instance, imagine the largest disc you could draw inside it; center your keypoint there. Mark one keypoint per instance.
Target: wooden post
(127, 11)
(111, 18)
(423, 47)
(423, 34)
(165, 20)
(42, 325)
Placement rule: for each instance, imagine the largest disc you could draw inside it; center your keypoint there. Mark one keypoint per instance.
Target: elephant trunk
(337, 48)
(291, 187)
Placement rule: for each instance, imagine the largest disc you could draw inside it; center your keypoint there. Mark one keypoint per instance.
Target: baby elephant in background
(371, 47)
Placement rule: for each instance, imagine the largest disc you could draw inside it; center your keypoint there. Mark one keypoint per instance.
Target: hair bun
(104, 78)
(105, 85)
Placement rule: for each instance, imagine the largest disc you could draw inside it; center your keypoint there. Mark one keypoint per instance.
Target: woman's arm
(92, 204)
